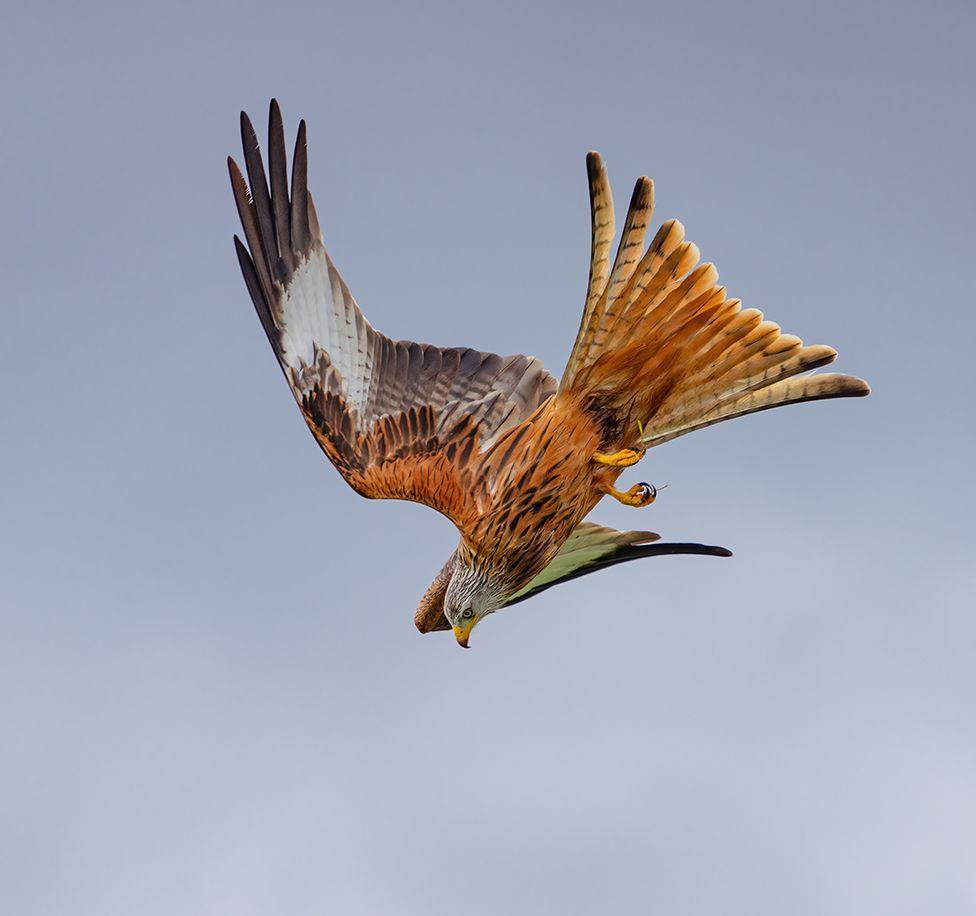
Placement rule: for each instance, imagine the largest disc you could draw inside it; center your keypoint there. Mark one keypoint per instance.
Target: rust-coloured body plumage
(540, 481)
(493, 443)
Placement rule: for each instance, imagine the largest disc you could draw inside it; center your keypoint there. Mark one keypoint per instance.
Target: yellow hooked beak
(463, 633)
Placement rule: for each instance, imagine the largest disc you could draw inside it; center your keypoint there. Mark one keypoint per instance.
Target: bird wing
(399, 420)
(593, 547)
(589, 548)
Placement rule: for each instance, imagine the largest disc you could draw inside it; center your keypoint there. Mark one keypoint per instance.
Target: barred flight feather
(379, 408)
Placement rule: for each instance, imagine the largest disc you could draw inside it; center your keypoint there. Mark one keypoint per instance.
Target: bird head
(471, 595)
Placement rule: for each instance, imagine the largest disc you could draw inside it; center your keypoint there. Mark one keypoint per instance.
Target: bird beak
(463, 634)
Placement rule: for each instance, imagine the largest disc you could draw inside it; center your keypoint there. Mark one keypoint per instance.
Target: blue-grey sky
(212, 696)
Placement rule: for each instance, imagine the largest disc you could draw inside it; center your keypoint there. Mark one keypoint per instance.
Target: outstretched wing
(593, 547)
(399, 420)
(588, 549)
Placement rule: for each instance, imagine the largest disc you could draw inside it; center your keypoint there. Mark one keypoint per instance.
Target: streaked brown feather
(601, 237)
(398, 419)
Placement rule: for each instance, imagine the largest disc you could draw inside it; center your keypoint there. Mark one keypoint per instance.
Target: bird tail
(661, 344)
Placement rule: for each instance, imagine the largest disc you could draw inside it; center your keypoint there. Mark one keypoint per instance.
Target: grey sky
(212, 696)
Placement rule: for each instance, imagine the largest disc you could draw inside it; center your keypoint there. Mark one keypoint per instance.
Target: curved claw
(644, 492)
(639, 495)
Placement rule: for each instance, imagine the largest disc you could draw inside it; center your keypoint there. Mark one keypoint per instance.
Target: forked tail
(661, 351)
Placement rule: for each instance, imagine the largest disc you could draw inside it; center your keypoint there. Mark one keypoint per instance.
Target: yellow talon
(622, 459)
(639, 495)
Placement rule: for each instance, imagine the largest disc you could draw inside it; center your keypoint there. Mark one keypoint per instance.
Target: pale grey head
(471, 595)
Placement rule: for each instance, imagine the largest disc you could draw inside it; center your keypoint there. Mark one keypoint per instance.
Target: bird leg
(639, 495)
(622, 459)
(625, 457)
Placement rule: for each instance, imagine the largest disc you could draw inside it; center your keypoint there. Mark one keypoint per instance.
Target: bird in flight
(513, 457)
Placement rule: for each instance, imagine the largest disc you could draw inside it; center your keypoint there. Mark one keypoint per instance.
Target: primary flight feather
(514, 459)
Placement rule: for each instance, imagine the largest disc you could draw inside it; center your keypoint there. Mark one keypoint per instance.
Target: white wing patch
(317, 310)
(325, 345)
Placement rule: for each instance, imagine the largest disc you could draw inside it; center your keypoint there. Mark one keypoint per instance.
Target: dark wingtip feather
(259, 193)
(236, 176)
(299, 191)
(245, 209)
(253, 285)
(668, 549)
(278, 170)
(625, 555)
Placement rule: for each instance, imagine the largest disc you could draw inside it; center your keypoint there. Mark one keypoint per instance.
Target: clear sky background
(212, 696)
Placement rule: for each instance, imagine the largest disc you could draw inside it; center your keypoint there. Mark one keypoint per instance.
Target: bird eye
(467, 614)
